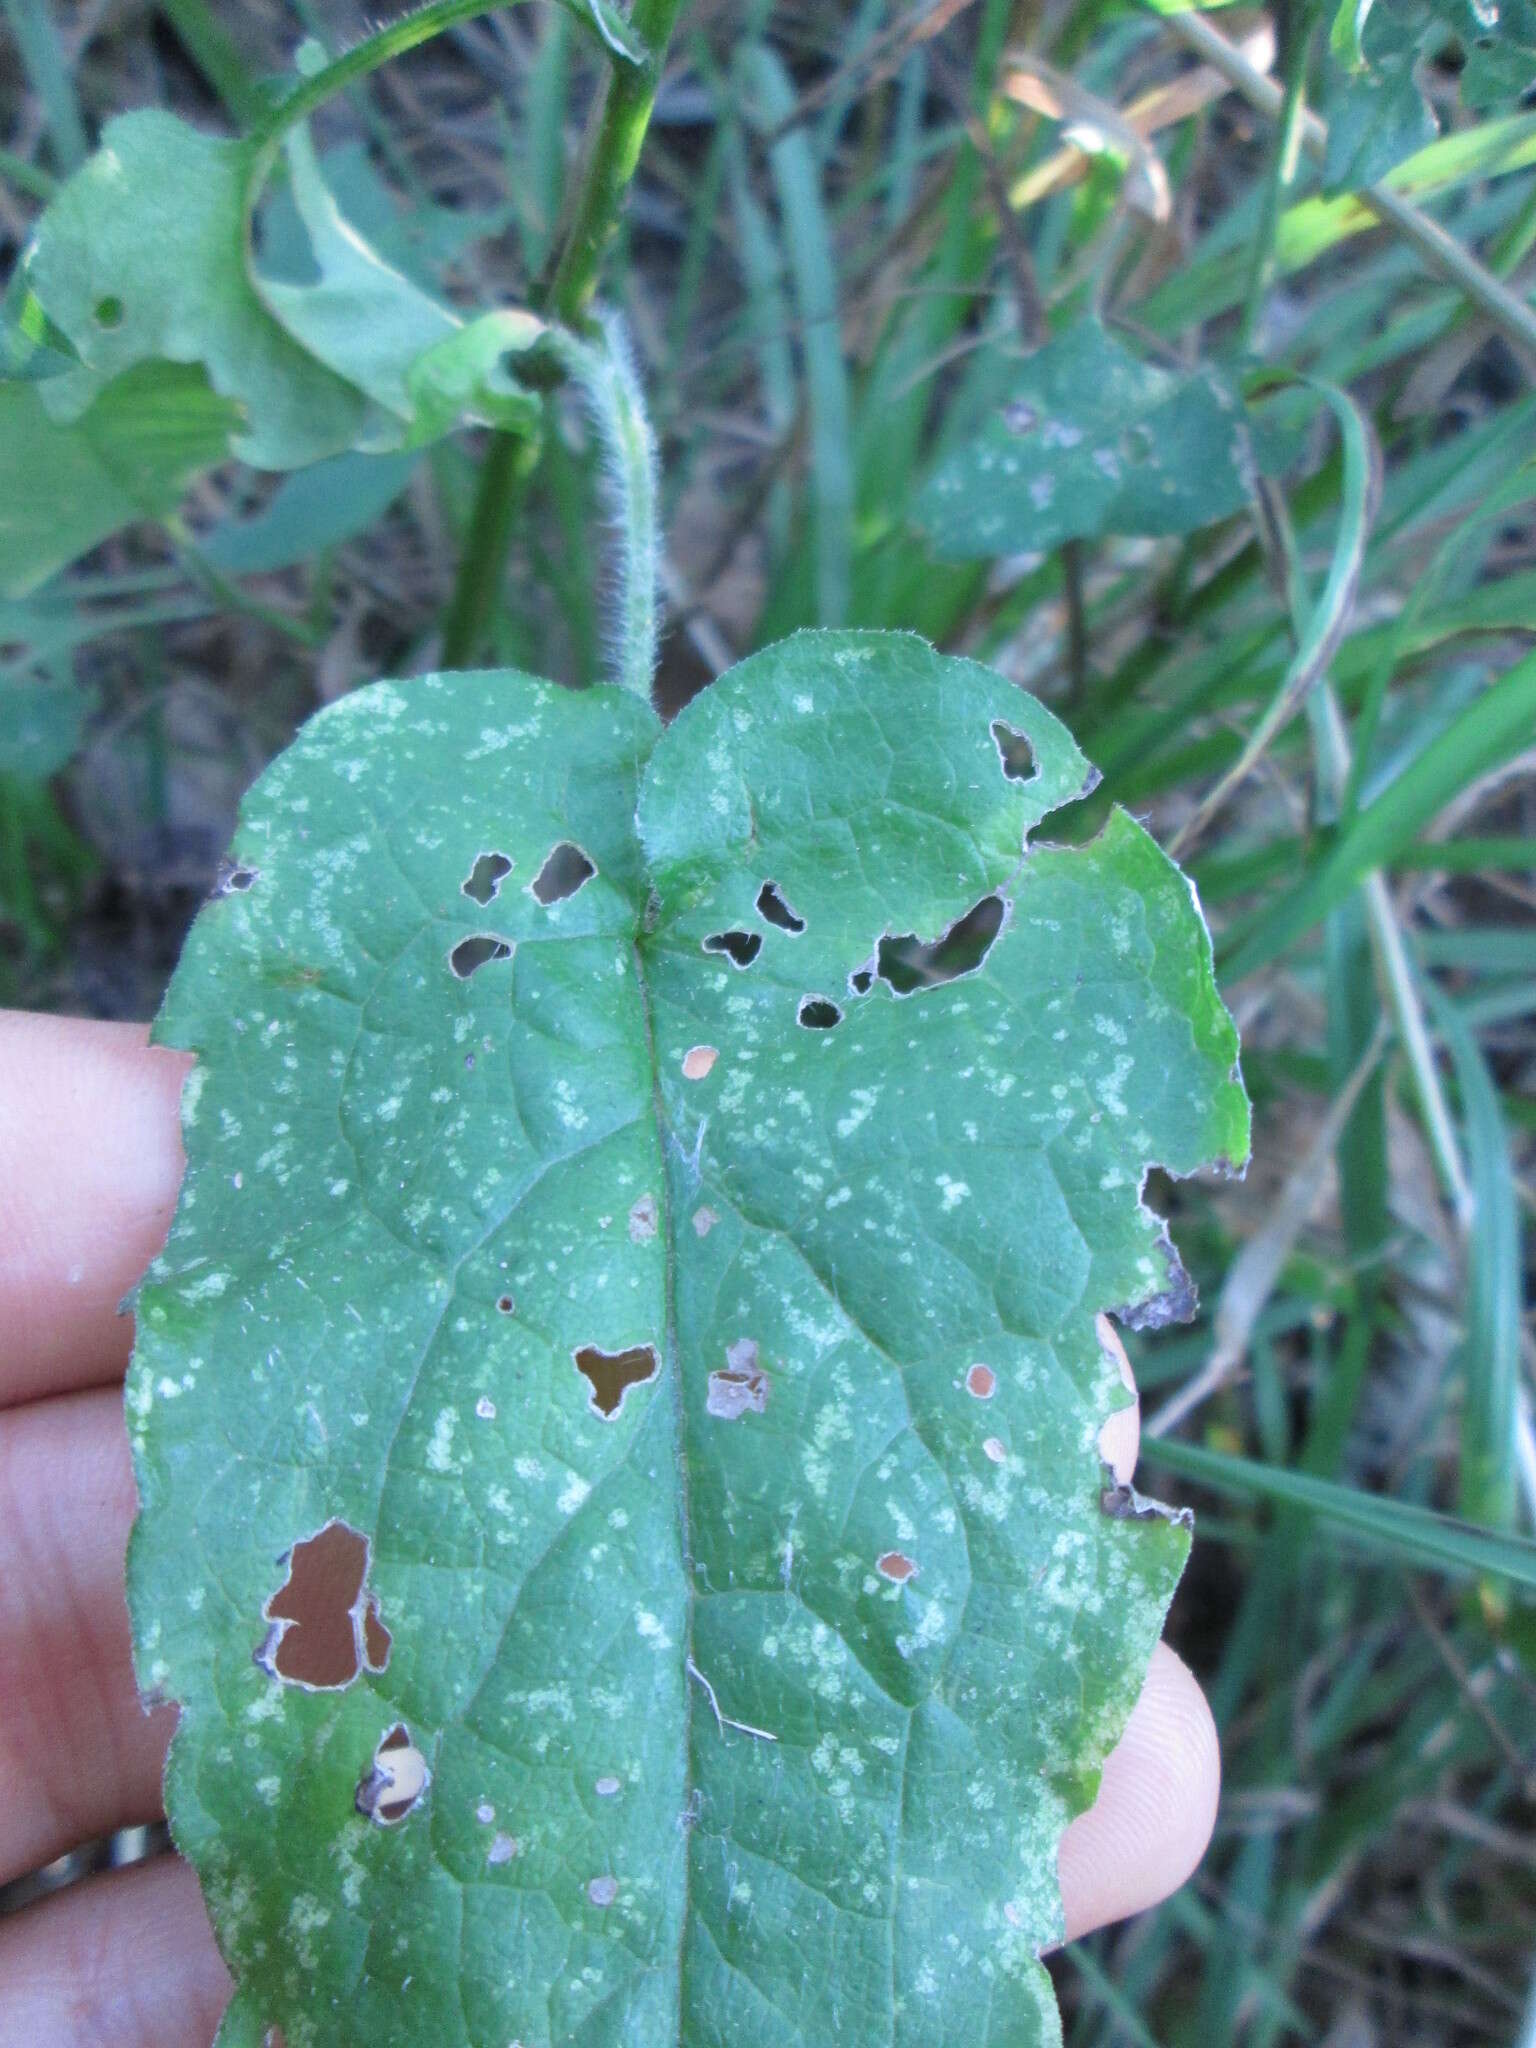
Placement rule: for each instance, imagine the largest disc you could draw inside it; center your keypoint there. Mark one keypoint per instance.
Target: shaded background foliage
(850, 225)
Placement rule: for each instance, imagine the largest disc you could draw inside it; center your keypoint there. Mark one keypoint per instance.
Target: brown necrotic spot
(896, 1567)
(818, 1013)
(486, 876)
(324, 1628)
(981, 1381)
(566, 869)
(1014, 751)
(740, 948)
(377, 1639)
(698, 1060)
(396, 1781)
(471, 954)
(909, 963)
(611, 1374)
(644, 1220)
(772, 907)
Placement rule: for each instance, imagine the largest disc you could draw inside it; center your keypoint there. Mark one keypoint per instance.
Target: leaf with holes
(616, 1419)
(1380, 56)
(1091, 440)
(145, 258)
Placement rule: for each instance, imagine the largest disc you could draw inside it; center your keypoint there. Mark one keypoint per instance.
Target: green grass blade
(812, 267)
(1392, 1529)
(1494, 728)
(43, 59)
(1491, 1351)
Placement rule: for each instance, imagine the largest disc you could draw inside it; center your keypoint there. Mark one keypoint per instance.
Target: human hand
(90, 1159)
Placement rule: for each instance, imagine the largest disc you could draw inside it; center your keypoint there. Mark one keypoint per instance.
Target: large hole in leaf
(489, 872)
(324, 1628)
(908, 963)
(470, 955)
(566, 869)
(611, 1374)
(817, 1013)
(1014, 750)
(772, 906)
(741, 948)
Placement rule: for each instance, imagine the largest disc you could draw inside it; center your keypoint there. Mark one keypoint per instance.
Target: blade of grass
(792, 161)
(1321, 627)
(1393, 1529)
(1493, 729)
(215, 53)
(1491, 1350)
(48, 72)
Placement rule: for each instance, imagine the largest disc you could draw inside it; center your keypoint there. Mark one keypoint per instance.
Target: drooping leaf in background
(41, 720)
(422, 366)
(1378, 111)
(1091, 440)
(311, 511)
(143, 255)
(616, 1419)
(130, 455)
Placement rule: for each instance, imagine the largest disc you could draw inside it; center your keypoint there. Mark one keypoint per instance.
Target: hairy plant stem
(623, 115)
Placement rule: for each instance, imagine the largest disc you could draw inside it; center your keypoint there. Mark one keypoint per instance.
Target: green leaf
(143, 256)
(311, 511)
(1091, 440)
(670, 1273)
(1378, 114)
(41, 721)
(130, 455)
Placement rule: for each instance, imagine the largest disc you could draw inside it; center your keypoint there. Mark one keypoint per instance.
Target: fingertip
(90, 1161)
(1120, 1433)
(1150, 1825)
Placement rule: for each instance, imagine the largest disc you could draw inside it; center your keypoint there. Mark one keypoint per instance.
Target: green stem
(623, 117)
(1286, 150)
(509, 463)
(605, 373)
(376, 50)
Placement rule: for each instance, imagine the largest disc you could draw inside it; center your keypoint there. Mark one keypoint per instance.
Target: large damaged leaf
(1091, 440)
(616, 1419)
(145, 256)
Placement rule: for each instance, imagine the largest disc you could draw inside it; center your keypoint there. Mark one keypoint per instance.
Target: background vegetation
(850, 224)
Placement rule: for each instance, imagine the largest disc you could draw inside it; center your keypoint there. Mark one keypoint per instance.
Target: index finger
(90, 1161)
